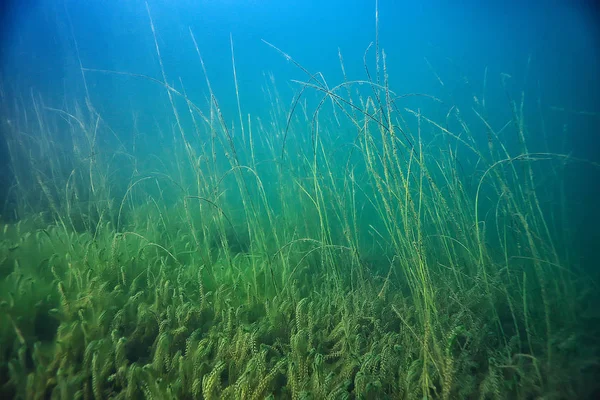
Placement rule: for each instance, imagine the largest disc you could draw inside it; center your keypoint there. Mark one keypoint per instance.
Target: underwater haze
(299, 199)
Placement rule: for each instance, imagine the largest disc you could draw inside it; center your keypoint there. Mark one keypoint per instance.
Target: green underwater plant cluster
(414, 260)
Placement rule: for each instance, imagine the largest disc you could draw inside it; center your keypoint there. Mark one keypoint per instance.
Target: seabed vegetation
(249, 258)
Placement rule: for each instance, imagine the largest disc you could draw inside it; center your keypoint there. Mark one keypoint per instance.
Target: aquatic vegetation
(422, 263)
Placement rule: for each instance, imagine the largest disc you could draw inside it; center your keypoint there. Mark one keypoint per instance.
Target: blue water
(550, 50)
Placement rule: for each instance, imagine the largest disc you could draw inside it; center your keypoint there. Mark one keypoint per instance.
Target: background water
(550, 49)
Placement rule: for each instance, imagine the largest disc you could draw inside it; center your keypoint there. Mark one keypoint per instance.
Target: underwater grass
(210, 271)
